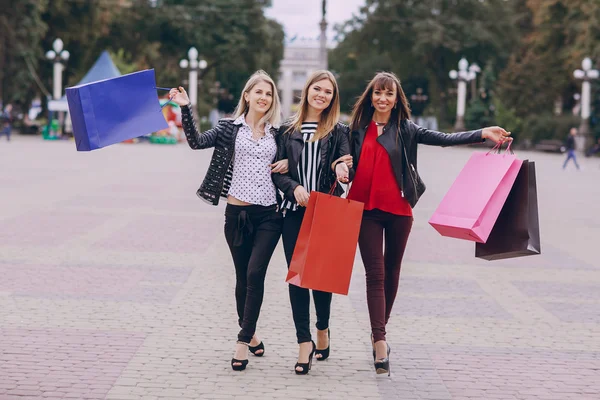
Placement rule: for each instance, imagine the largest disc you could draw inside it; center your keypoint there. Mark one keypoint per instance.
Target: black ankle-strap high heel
(383, 366)
(254, 349)
(373, 345)
(306, 366)
(324, 353)
(243, 363)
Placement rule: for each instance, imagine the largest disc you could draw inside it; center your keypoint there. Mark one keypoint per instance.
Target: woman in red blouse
(383, 145)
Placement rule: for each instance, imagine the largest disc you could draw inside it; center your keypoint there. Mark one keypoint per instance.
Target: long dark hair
(362, 112)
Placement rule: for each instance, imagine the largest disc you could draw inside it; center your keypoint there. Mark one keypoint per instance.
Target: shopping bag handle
(170, 97)
(498, 148)
(333, 188)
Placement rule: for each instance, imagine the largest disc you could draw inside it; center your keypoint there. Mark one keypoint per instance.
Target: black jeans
(252, 233)
(382, 268)
(300, 297)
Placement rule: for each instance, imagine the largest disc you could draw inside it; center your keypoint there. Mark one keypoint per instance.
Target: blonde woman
(240, 170)
(317, 148)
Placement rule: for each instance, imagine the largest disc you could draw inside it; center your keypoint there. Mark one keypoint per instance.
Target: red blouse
(374, 183)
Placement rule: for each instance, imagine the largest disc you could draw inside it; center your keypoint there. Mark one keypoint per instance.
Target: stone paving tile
(165, 233)
(118, 201)
(429, 286)
(448, 307)
(59, 362)
(518, 373)
(570, 312)
(92, 282)
(561, 290)
(47, 229)
(121, 287)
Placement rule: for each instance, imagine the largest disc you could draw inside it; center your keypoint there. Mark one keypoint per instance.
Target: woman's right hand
(179, 96)
(347, 159)
(301, 196)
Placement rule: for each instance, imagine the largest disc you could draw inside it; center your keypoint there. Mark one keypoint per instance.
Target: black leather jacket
(402, 149)
(222, 137)
(291, 145)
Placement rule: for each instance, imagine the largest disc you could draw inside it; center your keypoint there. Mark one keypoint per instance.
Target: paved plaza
(116, 283)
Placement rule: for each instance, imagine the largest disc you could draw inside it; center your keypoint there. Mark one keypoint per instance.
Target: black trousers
(252, 233)
(300, 297)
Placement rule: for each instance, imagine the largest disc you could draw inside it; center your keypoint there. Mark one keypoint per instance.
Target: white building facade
(301, 58)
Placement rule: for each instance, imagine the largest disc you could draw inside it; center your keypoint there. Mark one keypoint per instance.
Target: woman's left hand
(341, 170)
(496, 134)
(279, 167)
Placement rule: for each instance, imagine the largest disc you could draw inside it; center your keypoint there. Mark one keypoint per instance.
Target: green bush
(479, 115)
(547, 126)
(507, 119)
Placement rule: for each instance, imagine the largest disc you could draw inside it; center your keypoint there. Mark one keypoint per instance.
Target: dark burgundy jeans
(382, 267)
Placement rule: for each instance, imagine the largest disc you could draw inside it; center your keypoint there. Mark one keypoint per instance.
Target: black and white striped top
(309, 165)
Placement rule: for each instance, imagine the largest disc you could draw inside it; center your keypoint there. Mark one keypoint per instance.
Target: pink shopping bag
(470, 208)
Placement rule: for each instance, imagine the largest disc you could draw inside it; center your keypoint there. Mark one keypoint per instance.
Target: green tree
(21, 28)
(558, 34)
(82, 25)
(234, 44)
(425, 39)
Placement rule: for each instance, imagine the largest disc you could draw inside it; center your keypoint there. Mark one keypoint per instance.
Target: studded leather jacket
(222, 137)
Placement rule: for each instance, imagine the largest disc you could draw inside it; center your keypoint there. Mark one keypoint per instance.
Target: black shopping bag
(517, 229)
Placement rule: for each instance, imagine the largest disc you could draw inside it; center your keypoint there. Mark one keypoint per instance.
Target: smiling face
(260, 97)
(384, 98)
(320, 94)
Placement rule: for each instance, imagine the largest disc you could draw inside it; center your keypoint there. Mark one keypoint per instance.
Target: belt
(244, 228)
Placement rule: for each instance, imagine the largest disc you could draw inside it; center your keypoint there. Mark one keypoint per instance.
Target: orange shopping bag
(324, 254)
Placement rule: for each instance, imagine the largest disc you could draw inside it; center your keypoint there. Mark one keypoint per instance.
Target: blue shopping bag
(113, 110)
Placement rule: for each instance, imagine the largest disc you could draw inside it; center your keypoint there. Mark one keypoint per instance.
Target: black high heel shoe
(383, 366)
(243, 363)
(306, 366)
(254, 349)
(373, 345)
(324, 353)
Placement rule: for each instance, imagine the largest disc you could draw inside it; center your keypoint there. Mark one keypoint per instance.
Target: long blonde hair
(329, 117)
(273, 114)
(362, 112)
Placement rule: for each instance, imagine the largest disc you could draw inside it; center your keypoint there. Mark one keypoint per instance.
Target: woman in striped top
(317, 148)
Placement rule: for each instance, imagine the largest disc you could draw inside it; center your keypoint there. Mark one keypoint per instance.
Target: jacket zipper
(413, 168)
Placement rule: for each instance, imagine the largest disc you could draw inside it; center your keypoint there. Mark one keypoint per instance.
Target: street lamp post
(463, 75)
(59, 57)
(194, 65)
(475, 68)
(586, 74)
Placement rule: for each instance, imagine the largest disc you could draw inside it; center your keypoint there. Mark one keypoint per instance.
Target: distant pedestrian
(245, 148)
(6, 122)
(570, 145)
(383, 146)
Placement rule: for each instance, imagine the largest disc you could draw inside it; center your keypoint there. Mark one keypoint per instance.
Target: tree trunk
(3, 27)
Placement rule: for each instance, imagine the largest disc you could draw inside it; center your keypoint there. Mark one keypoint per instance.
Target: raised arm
(434, 138)
(427, 136)
(195, 139)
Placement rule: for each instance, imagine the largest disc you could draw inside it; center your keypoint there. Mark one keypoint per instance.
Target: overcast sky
(302, 17)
